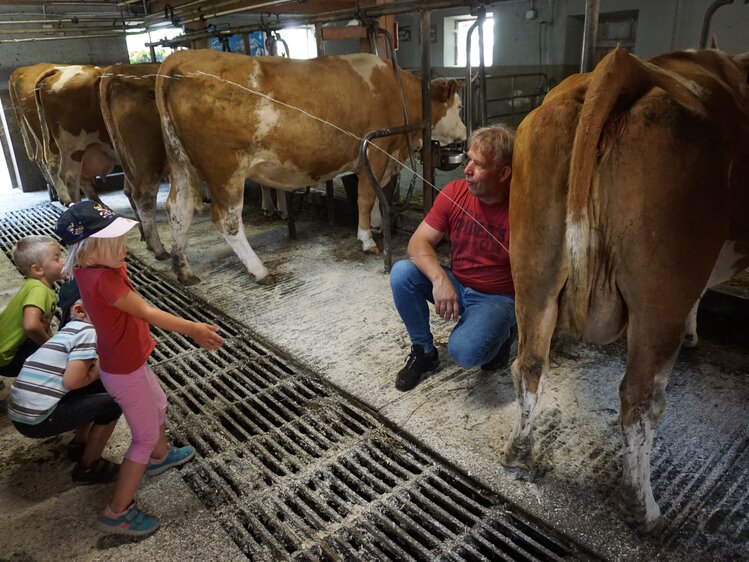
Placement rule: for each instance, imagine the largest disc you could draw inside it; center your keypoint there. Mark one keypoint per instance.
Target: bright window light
(461, 31)
(301, 42)
(136, 44)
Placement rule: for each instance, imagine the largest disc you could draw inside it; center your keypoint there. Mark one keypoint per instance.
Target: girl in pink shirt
(96, 239)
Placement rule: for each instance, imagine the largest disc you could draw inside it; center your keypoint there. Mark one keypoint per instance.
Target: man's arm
(421, 250)
(34, 325)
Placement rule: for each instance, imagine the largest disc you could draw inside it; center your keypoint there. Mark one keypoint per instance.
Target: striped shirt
(38, 387)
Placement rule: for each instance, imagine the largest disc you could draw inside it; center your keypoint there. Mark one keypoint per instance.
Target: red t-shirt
(123, 341)
(478, 259)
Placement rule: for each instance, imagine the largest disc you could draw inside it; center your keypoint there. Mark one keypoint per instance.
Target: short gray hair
(30, 250)
(495, 140)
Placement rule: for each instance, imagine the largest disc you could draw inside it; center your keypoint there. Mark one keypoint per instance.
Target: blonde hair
(495, 140)
(31, 250)
(88, 251)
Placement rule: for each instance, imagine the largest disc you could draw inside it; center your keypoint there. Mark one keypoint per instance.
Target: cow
(21, 87)
(283, 123)
(128, 107)
(76, 144)
(630, 194)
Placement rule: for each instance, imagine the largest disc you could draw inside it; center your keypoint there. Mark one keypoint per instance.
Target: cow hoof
(161, 256)
(689, 341)
(269, 279)
(188, 280)
(373, 250)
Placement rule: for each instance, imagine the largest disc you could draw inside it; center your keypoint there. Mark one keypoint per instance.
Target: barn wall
(101, 51)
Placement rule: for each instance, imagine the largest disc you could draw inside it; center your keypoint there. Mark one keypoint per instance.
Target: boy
(25, 322)
(58, 390)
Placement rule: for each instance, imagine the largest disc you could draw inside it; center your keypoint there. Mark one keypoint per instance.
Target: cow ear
(453, 87)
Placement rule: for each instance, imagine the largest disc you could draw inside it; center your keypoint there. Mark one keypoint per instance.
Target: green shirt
(32, 293)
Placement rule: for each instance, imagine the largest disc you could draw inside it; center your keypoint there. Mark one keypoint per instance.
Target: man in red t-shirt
(476, 291)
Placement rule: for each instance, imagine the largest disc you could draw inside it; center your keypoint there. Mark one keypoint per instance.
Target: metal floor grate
(293, 469)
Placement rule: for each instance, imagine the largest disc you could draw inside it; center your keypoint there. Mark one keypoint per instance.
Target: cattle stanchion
(384, 203)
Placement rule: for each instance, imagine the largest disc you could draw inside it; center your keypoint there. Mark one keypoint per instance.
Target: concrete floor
(331, 311)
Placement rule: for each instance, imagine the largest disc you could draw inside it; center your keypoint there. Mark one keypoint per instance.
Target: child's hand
(205, 336)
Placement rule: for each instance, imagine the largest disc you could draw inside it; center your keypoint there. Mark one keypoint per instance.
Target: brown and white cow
(128, 107)
(656, 157)
(286, 124)
(75, 140)
(22, 86)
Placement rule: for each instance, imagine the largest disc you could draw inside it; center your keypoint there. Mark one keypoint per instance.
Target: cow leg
(375, 217)
(144, 203)
(226, 213)
(528, 370)
(266, 202)
(652, 347)
(179, 210)
(283, 209)
(690, 338)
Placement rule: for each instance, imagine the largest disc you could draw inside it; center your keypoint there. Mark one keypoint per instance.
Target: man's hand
(445, 299)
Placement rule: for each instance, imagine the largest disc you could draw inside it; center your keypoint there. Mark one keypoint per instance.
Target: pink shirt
(124, 342)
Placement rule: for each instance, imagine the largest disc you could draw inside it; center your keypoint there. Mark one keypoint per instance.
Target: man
(477, 290)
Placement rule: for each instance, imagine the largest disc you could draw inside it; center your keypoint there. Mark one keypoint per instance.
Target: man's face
(484, 180)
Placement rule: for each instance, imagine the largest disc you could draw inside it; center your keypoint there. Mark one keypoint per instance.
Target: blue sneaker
(175, 457)
(133, 522)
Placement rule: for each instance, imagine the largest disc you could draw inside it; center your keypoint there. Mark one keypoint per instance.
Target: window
(301, 41)
(460, 31)
(136, 44)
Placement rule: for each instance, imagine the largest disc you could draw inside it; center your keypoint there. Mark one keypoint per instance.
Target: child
(58, 390)
(95, 236)
(25, 322)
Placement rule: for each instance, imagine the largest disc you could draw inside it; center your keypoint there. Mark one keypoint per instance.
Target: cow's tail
(26, 132)
(618, 81)
(105, 91)
(39, 84)
(615, 83)
(178, 161)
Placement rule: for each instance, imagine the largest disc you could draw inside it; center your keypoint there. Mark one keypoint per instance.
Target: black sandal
(101, 471)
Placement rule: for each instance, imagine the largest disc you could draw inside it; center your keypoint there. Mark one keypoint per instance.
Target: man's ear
(505, 172)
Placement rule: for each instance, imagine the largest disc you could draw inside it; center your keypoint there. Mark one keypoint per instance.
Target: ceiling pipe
(376, 11)
(191, 16)
(73, 21)
(93, 36)
(79, 30)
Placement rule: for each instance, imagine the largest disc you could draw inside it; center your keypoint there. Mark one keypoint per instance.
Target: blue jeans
(484, 324)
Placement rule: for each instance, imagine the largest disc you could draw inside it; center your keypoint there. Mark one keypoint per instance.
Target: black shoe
(101, 471)
(417, 366)
(500, 360)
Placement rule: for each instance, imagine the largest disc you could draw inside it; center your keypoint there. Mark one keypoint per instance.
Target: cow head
(447, 125)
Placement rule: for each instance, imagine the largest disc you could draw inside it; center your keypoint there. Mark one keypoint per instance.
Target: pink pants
(144, 405)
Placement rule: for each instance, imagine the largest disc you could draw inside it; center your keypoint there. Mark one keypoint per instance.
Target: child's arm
(204, 334)
(80, 373)
(36, 328)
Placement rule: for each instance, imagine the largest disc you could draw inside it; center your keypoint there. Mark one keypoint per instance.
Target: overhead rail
(373, 12)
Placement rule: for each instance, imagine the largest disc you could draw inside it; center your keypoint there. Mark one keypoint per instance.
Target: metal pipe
(482, 69)
(95, 36)
(469, 90)
(193, 15)
(77, 29)
(590, 35)
(427, 172)
(711, 9)
(364, 159)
